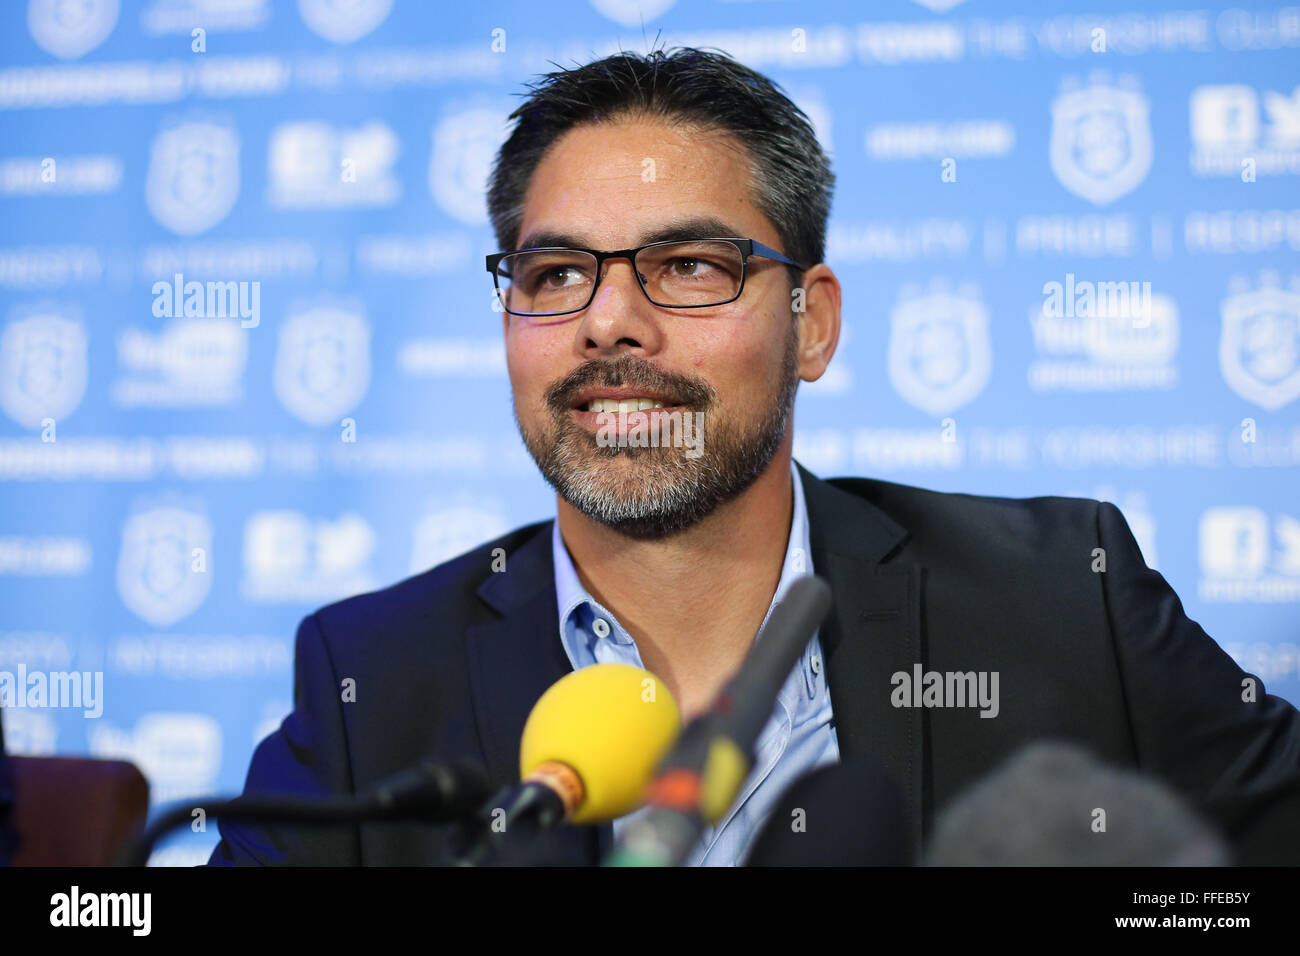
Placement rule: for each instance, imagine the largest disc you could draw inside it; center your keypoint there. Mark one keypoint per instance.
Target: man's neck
(694, 601)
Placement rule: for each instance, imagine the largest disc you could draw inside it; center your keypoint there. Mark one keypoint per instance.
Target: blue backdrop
(1067, 238)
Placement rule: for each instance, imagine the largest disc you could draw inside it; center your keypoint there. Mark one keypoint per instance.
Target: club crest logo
(70, 28)
(42, 366)
(940, 352)
(193, 177)
(464, 146)
(1101, 144)
(322, 363)
(1259, 348)
(162, 569)
(343, 21)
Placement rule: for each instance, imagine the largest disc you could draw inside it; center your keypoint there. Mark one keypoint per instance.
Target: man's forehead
(637, 181)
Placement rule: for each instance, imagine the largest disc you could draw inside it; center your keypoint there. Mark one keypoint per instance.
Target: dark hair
(791, 176)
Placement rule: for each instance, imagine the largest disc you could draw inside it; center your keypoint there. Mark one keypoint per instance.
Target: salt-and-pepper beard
(668, 491)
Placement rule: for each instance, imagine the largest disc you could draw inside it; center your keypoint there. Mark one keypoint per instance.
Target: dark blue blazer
(449, 663)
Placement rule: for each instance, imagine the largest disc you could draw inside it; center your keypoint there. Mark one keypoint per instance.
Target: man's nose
(618, 277)
(619, 314)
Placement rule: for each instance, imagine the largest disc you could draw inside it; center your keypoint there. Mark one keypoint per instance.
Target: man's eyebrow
(703, 227)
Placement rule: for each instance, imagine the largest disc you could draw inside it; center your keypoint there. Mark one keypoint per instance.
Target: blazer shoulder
(1038, 521)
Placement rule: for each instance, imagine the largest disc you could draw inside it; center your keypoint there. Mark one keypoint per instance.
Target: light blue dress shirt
(800, 734)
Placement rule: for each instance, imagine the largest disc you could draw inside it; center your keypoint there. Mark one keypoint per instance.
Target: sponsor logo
(1239, 562)
(324, 166)
(44, 555)
(31, 732)
(292, 558)
(960, 139)
(179, 753)
(1232, 124)
(444, 533)
(1094, 336)
(188, 363)
(181, 16)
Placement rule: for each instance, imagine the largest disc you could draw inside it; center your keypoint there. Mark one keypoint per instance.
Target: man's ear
(819, 320)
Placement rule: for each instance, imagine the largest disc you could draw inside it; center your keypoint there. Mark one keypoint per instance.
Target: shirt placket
(782, 740)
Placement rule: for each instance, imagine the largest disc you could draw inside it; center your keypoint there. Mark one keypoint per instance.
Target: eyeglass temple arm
(769, 253)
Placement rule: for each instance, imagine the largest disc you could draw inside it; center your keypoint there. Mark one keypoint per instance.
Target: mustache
(630, 371)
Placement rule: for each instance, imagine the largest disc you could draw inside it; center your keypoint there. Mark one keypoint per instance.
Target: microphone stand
(431, 792)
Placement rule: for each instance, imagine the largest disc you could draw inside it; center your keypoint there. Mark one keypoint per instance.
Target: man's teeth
(622, 405)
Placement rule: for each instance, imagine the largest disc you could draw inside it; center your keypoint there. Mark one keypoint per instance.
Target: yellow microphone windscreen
(612, 723)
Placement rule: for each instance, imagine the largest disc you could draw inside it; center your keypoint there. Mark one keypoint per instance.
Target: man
(712, 193)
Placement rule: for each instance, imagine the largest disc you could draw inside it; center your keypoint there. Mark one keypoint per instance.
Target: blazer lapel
(513, 659)
(872, 632)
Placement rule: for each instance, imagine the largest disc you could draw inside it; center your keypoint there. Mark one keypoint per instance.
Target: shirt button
(816, 664)
(601, 627)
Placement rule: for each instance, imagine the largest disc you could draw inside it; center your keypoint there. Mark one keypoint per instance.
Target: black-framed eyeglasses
(675, 273)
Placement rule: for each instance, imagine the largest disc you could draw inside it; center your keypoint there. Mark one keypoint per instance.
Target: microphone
(1053, 804)
(588, 750)
(431, 791)
(840, 814)
(699, 779)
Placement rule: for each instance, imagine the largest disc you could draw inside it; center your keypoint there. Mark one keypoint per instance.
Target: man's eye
(690, 267)
(558, 276)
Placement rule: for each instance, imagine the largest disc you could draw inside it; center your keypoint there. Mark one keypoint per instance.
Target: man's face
(615, 187)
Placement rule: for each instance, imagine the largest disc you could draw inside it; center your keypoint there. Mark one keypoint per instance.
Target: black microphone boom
(431, 791)
(707, 766)
(494, 833)
(746, 702)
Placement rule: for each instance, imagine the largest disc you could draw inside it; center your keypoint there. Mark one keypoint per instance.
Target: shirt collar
(571, 595)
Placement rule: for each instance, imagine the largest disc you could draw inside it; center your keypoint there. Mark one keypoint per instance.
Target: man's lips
(622, 393)
(623, 422)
